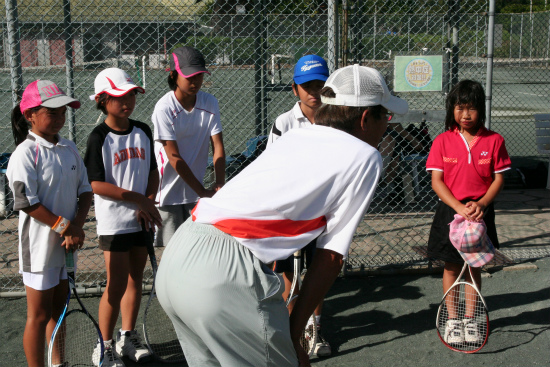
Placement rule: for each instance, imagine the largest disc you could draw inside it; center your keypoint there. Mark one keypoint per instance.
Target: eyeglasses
(389, 115)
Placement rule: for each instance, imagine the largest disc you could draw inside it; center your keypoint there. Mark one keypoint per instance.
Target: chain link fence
(251, 48)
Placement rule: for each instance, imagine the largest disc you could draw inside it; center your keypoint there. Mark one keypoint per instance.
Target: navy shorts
(125, 241)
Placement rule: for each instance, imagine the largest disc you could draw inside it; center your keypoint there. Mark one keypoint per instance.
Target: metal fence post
(15, 51)
(68, 35)
(521, 36)
(490, 50)
(332, 46)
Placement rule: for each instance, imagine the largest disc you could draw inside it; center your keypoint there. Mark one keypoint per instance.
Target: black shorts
(286, 265)
(125, 241)
(439, 244)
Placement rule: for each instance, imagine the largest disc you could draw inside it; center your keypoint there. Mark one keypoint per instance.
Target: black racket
(309, 336)
(462, 318)
(158, 330)
(76, 335)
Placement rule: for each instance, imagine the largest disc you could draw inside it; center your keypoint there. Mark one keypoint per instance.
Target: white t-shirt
(124, 159)
(53, 175)
(192, 132)
(289, 120)
(315, 182)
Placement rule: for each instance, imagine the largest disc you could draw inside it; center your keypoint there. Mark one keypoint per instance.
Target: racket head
(462, 321)
(74, 340)
(159, 333)
(308, 340)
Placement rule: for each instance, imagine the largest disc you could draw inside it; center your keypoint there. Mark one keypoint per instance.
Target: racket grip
(69, 261)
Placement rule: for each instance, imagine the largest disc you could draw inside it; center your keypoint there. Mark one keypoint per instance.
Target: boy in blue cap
(310, 74)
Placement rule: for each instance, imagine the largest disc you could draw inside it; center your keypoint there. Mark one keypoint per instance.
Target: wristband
(61, 225)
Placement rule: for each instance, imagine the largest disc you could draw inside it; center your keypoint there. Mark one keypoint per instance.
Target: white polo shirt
(53, 175)
(315, 182)
(192, 132)
(289, 120)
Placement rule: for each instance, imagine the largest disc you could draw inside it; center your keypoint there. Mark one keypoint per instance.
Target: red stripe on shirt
(254, 228)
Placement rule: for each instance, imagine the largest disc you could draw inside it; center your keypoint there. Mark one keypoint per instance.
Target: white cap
(115, 82)
(361, 86)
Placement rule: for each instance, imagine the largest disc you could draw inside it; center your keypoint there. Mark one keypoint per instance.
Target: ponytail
(19, 125)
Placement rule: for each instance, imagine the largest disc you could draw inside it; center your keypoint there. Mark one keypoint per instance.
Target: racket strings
(463, 320)
(159, 333)
(75, 341)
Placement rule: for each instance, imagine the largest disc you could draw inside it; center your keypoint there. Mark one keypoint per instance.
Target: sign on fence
(418, 73)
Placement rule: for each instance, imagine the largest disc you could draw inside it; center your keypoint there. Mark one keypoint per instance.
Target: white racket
(462, 318)
(309, 335)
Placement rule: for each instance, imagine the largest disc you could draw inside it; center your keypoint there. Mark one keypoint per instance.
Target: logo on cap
(51, 90)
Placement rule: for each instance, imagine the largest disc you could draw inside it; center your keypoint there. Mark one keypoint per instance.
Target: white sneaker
(471, 331)
(454, 332)
(110, 358)
(322, 348)
(129, 345)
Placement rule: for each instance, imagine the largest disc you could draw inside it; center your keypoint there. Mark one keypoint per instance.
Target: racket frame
(152, 296)
(310, 335)
(473, 284)
(69, 264)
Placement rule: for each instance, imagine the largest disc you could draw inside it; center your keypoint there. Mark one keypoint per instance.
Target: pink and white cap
(115, 82)
(47, 94)
(471, 241)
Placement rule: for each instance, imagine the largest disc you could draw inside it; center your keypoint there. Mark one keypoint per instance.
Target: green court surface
(385, 321)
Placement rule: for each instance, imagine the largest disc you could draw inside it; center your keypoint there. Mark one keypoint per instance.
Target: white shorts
(43, 280)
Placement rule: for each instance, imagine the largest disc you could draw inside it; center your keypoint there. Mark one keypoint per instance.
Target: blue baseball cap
(310, 67)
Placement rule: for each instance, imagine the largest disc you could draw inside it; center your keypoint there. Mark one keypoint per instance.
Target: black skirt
(439, 244)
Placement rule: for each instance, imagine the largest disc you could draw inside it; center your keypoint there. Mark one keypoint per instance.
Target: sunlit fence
(251, 50)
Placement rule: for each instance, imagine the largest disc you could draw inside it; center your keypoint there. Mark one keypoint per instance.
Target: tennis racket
(309, 335)
(76, 339)
(462, 318)
(158, 330)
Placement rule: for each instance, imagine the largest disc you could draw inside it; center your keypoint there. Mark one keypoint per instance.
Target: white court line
(532, 94)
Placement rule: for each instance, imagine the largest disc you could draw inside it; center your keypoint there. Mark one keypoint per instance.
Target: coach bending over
(314, 182)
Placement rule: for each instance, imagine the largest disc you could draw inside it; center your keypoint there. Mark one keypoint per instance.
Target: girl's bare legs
(451, 271)
(118, 268)
(43, 311)
(131, 300)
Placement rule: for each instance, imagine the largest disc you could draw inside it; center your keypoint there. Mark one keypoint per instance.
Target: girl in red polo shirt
(466, 163)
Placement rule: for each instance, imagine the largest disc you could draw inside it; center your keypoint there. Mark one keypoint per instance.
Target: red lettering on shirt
(128, 153)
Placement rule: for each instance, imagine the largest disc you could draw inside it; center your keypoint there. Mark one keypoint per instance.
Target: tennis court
(389, 320)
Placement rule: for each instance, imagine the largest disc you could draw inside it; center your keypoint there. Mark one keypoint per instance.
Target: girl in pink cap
(51, 190)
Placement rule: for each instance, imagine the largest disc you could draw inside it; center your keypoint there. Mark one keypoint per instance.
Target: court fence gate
(251, 47)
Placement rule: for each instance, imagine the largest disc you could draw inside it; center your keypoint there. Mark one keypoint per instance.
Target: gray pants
(226, 306)
(172, 217)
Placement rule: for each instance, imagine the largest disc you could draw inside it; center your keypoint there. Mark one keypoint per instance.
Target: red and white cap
(115, 82)
(45, 93)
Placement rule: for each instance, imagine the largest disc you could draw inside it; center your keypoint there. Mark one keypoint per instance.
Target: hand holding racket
(76, 334)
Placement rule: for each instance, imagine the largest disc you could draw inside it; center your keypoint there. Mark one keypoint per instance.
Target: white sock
(318, 320)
